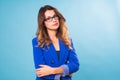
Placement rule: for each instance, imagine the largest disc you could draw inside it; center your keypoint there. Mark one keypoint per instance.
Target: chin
(55, 27)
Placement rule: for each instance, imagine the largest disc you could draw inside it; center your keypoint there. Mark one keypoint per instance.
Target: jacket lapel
(53, 53)
(63, 52)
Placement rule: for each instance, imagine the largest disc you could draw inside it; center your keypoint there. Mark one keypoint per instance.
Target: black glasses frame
(49, 19)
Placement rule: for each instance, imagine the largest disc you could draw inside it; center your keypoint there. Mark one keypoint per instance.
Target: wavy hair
(62, 31)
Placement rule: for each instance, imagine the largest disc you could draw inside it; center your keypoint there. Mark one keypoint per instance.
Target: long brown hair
(42, 35)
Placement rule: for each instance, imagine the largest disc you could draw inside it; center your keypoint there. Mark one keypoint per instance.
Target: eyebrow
(50, 16)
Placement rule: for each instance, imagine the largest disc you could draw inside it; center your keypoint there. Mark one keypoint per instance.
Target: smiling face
(51, 20)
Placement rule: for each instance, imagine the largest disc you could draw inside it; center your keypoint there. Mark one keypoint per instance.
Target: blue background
(94, 26)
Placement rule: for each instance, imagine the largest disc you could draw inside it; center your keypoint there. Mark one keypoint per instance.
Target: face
(51, 20)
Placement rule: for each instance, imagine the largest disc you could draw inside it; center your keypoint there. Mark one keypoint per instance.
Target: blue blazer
(48, 56)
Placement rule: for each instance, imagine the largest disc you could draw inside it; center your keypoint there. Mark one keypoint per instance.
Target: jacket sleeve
(37, 54)
(73, 63)
(39, 58)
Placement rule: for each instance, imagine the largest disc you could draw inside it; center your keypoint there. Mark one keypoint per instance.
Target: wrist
(57, 70)
(54, 71)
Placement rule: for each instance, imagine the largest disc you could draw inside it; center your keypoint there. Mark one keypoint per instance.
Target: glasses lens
(55, 17)
(49, 19)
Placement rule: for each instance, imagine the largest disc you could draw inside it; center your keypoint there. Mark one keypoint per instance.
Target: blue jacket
(48, 56)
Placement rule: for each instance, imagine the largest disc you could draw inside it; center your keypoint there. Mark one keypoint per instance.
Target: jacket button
(52, 62)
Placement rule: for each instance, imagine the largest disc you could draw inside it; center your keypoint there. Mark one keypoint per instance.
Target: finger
(38, 74)
(41, 75)
(38, 69)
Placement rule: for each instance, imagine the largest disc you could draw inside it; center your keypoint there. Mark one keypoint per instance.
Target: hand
(44, 71)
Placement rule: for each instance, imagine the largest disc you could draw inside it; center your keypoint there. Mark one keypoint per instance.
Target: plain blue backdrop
(94, 26)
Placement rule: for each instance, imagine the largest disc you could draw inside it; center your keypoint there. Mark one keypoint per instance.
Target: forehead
(49, 13)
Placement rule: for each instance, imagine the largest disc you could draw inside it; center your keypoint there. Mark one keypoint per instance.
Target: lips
(56, 24)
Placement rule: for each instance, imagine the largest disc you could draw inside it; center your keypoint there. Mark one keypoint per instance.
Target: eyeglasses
(49, 19)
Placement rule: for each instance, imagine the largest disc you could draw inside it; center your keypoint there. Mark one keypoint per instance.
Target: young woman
(53, 51)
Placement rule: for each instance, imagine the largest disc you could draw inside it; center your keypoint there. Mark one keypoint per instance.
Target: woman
(54, 55)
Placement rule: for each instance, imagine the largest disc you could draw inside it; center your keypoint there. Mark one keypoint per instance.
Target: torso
(56, 44)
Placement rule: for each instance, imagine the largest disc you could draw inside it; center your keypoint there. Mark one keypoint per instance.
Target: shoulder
(35, 41)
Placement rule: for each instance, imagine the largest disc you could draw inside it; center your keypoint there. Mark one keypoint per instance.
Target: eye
(55, 16)
(48, 18)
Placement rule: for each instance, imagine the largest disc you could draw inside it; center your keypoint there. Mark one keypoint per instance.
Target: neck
(52, 34)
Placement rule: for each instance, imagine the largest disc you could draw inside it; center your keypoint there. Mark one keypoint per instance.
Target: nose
(54, 19)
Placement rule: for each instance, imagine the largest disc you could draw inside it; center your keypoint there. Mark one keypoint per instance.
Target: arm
(39, 59)
(73, 63)
(65, 69)
(44, 70)
(37, 54)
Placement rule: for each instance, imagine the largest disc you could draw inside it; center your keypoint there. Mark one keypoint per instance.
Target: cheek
(59, 23)
(47, 25)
